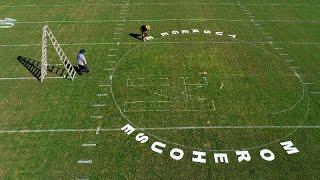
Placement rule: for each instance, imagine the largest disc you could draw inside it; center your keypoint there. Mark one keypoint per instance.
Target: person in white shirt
(82, 62)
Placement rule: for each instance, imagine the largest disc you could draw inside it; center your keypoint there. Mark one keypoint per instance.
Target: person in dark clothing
(144, 31)
(82, 62)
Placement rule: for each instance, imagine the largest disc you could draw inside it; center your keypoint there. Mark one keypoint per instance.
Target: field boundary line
(142, 3)
(163, 20)
(155, 128)
(166, 42)
(28, 78)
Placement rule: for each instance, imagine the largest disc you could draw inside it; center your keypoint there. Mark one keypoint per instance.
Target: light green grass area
(196, 91)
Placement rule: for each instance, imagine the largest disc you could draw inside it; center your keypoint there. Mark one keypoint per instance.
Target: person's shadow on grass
(136, 36)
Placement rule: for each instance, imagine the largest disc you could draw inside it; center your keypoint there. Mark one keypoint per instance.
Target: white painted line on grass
(125, 4)
(221, 86)
(135, 102)
(28, 78)
(89, 145)
(99, 105)
(214, 107)
(96, 117)
(167, 42)
(84, 161)
(155, 128)
(230, 127)
(110, 69)
(98, 130)
(289, 60)
(164, 20)
(102, 95)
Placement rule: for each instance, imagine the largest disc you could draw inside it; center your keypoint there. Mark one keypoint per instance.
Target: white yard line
(84, 161)
(165, 42)
(27, 78)
(89, 145)
(173, 19)
(154, 128)
(144, 3)
(230, 127)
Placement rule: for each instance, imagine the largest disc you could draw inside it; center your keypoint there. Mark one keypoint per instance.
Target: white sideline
(163, 20)
(28, 78)
(166, 42)
(155, 128)
(143, 3)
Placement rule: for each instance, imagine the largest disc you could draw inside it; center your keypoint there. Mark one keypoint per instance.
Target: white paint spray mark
(214, 107)
(221, 86)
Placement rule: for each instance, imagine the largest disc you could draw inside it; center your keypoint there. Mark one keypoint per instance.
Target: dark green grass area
(191, 91)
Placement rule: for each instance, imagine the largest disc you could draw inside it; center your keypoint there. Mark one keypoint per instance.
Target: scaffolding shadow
(34, 67)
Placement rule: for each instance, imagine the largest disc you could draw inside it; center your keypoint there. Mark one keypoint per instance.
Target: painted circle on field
(150, 81)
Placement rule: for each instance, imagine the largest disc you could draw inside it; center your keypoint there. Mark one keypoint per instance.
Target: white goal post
(47, 34)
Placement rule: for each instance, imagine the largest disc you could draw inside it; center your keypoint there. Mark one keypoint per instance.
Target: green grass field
(195, 92)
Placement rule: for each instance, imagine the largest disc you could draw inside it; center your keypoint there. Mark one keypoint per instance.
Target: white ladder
(64, 59)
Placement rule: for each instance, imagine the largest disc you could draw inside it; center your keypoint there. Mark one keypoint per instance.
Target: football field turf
(221, 89)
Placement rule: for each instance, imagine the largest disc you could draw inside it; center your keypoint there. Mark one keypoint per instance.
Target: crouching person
(82, 62)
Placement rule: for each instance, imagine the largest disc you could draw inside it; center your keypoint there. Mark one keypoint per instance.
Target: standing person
(144, 31)
(82, 62)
